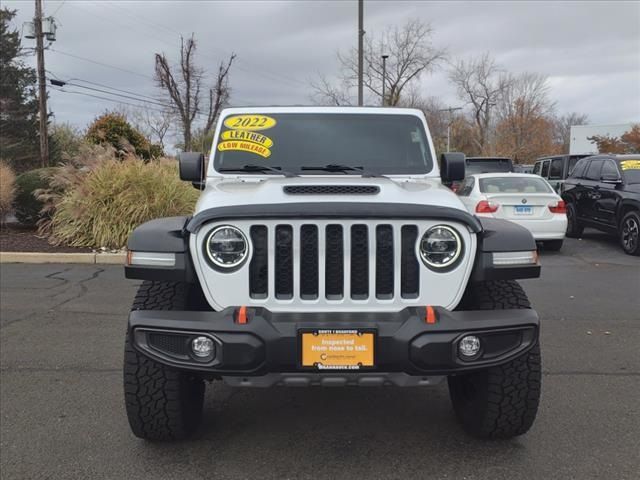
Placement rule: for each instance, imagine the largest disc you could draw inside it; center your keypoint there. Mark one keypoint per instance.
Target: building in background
(580, 145)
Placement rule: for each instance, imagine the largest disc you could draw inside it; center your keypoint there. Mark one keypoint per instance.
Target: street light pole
(360, 53)
(384, 77)
(42, 86)
(450, 110)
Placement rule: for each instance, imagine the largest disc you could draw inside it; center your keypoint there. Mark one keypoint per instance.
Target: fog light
(202, 347)
(469, 346)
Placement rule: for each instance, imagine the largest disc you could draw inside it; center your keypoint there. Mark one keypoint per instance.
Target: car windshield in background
(335, 144)
(488, 165)
(514, 185)
(631, 169)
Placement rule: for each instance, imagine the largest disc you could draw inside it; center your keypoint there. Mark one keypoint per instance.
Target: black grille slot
(409, 267)
(259, 266)
(284, 262)
(309, 262)
(359, 262)
(331, 189)
(170, 344)
(384, 261)
(334, 264)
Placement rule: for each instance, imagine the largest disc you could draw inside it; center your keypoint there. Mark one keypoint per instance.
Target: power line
(58, 9)
(101, 63)
(130, 97)
(254, 67)
(105, 98)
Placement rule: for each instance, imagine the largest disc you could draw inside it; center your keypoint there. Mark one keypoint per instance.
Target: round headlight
(226, 247)
(440, 246)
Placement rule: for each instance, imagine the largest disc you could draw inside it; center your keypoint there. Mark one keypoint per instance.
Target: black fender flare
(162, 235)
(502, 236)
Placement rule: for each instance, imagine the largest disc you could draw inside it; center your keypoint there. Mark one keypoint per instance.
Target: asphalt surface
(62, 412)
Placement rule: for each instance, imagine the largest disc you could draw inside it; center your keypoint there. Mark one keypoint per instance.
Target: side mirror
(610, 178)
(191, 167)
(452, 166)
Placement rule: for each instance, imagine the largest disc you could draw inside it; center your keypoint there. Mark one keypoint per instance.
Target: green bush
(7, 189)
(114, 129)
(65, 142)
(104, 207)
(27, 206)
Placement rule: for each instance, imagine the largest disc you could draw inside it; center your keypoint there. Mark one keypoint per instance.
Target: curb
(85, 258)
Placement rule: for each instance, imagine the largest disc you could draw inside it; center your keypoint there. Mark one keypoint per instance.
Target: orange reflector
(129, 255)
(241, 315)
(430, 315)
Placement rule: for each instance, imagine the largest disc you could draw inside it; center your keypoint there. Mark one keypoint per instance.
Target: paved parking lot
(62, 413)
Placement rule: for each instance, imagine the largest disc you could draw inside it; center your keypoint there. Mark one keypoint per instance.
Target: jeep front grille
(345, 265)
(325, 265)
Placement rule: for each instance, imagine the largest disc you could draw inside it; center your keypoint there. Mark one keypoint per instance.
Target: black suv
(556, 169)
(603, 191)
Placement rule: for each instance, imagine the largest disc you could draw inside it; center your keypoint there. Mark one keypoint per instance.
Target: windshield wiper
(258, 168)
(332, 167)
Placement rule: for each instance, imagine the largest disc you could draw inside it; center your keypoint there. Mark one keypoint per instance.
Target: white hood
(259, 190)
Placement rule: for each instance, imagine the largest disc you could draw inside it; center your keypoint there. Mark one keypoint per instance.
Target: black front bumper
(269, 341)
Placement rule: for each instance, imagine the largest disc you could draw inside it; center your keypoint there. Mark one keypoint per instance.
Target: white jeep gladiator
(324, 250)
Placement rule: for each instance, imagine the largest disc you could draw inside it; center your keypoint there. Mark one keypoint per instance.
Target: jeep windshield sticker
(630, 165)
(248, 136)
(249, 122)
(243, 137)
(244, 146)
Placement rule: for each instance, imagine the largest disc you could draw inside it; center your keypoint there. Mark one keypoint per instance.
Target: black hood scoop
(331, 189)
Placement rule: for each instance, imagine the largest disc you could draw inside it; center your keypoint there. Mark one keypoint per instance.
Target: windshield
(488, 165)
(379, 143)
(631, 170)
(514, 185)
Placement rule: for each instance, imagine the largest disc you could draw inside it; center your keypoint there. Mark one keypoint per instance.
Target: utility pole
(384, 78)
(42, 86)
(360, 53)
(450, 110)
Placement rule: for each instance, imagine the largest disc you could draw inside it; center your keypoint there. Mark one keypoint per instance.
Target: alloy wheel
(630, 234)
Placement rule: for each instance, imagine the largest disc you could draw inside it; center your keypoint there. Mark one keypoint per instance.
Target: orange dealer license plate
(337, 349)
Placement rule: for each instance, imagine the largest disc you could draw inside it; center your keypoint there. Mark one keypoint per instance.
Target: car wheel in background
(630, 233)
(552, 245)
(574, 227)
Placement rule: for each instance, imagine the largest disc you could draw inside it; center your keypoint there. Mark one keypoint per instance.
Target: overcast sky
(590, 50)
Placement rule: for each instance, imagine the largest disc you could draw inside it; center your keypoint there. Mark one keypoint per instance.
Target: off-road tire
(574, 227)
(502, 401)
(162, 403)
(630, 234)
(552, 245)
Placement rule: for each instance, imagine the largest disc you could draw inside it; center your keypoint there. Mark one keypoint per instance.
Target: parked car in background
(523, 198)
(484, 165)
(556, 169)
(603, 191)
(520, 168)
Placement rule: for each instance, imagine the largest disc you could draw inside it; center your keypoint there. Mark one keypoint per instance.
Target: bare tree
(154, 124)
(525, 111)
(480, 83)
(410, 54)
(220, 92)
(562, 128)
(327, 93)
(183, 87)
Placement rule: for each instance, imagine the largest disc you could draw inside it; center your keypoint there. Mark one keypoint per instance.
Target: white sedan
(525, 199)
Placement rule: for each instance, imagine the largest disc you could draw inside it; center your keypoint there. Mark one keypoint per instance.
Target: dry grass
(7, 189)
(97, 203)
